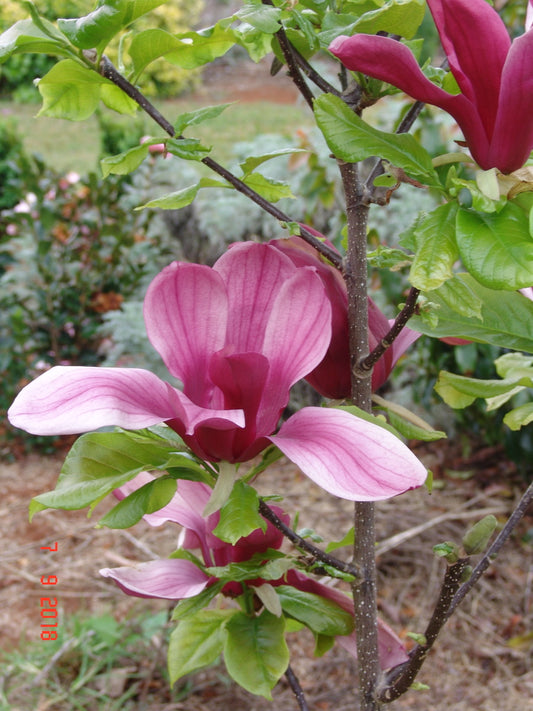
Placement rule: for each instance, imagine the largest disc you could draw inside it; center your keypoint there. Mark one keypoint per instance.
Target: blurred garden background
(75, 260)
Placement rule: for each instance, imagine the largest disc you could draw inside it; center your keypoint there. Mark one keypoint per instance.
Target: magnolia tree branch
(292, 65)
(297, 689)
(108, 70)
(304, 544)
(453, 591)
(365, 365)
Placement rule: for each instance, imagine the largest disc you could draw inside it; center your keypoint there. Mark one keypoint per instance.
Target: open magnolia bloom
(493, 74)
(179, 578)
(332, 377)
(238, 336)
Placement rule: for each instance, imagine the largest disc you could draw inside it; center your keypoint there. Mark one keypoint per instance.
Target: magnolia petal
(391, 650)
(512, 141)
(72, 399)
(391, 61)
(253, 274)
(347, 456)
(172, 579)
(185, 311)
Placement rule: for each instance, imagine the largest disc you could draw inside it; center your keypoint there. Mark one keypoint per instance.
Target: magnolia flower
(238, 336)
(332, 377)
(494, 75)
(179, 578)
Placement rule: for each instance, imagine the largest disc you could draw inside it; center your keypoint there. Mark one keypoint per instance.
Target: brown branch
(365, 365)
(292, 65)
(452, 593)
(108, 70)
(297, 689)
(304, 545)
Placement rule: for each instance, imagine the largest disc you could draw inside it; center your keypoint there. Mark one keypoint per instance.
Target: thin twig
(366, 364)
(297, 689)
(451, 595)
(294, 70)
(303, 544)
(108, 70)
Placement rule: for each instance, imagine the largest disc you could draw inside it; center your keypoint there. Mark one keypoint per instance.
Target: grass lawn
(67, 145)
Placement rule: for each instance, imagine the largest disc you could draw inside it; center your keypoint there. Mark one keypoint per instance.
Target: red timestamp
(49, 612)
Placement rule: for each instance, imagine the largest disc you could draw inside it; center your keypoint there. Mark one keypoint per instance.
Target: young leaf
(321, 615)
(239, 515)
(435, 248)
(192, 118)
(102, 461)
(352, 139)
(459, 391)
(252, 162)
(520, 416)
(25, 36)
(148, 498)
(191, 605)
(199, 48)
(255, 651)
(196, 642)
(125, 162)
(265, 18)
(184, 197)
(187, 148)
(272, 190)
(497, 248)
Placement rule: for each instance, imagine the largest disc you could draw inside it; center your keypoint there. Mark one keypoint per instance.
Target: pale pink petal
(74, 399)
(186, 312)
(253, 274)
(529, 15)
(347, 456)
(391, 650)
(172, 579)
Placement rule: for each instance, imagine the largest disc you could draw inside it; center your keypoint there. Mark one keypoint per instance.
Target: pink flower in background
(495, 104)
(332, 376)
(179, 578)
(238, 336)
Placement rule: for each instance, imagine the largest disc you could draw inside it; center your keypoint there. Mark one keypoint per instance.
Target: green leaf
(318, 613)
(187, 148)
(272, 190)
(520, 416)
(352, 139)
(125, 162)
(151, 497)
(102, 24)
(497, 248)
(435, 248)
(199, 48)
(192, 118)
(346, 540)
(196, 642)
(191, 605)
(184, 197)
(222, 489)
(239, 516)
(398, 17)
(102, 461)
(268, 565)
(459, 391)
(255, 651)
(459, 295)
(252, 162)
(25, 36)
(506, 318)
(263, 17)
(72, 91)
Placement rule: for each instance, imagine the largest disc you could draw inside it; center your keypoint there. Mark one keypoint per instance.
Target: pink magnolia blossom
(238, 336)
(178, 578)
(494, 75)
(332, 377)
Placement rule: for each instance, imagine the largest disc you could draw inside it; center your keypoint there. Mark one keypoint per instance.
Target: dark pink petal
(172, 579)
(253, 274)
(512, 141)
(186, 313)
(476, 43)
(347, 456)
(391, 61)
(391, 650)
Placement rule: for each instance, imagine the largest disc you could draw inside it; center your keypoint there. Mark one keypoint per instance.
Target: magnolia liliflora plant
(240, 334)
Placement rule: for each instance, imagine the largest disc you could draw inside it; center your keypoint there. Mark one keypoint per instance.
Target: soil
(483, 659)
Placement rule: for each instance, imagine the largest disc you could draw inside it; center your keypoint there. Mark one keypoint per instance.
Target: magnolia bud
(447, 550)
(476, 538)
